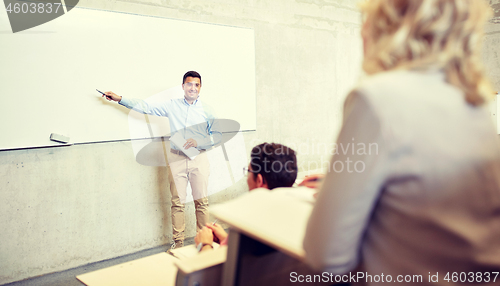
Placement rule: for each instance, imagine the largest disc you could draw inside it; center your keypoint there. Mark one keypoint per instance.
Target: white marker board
(49, 73)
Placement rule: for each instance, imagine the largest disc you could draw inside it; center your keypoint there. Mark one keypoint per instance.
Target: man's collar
(194, 102)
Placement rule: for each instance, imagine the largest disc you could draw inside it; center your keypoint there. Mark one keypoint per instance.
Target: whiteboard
(49, 74)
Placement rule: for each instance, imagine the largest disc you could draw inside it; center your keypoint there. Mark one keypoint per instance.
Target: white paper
(179, 142)
(188, 251)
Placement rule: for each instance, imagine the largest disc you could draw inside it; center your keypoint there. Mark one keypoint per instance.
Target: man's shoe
(176, 244)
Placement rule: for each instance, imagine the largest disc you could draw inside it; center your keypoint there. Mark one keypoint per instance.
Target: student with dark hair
(271, 166)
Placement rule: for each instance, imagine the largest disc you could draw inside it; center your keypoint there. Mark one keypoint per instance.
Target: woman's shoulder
(407, 86)
(402, 80)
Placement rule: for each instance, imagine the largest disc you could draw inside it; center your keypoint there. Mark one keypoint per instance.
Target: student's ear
(260, 181)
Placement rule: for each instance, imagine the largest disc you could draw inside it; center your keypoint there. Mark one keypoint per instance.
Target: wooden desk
(265, 241)
(154, 270)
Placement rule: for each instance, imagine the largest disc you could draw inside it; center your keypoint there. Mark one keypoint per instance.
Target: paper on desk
(304, 194)
(179, 142)
(188, 251)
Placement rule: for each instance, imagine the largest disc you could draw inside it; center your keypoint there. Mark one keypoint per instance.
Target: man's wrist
(207, 245)
(203, 245)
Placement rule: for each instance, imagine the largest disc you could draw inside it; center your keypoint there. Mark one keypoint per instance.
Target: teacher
(196, 123)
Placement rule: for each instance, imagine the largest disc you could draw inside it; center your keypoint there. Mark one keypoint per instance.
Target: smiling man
(197, 124)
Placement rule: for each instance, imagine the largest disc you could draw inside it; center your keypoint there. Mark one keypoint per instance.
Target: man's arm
(139, 105)
(214, 133)
(111, 96)
(207, 234)
(205, 238)
(219, 233)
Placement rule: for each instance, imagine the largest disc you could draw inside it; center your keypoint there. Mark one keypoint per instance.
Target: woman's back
(422, 194)
(439, 205)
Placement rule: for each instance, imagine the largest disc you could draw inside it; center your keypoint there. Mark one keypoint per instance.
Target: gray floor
(68, 277)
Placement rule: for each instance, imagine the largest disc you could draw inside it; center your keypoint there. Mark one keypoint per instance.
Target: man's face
(251, 182)
(191, 87)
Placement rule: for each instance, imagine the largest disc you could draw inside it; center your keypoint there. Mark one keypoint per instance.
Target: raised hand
(111, 96)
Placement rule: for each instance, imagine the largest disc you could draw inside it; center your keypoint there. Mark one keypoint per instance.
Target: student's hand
(111, 96)
(204, 236)
(312, 181)
(190, 143)
(219, 233)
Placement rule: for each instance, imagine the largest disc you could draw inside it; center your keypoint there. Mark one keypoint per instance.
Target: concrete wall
(491, 56)
(65, 207)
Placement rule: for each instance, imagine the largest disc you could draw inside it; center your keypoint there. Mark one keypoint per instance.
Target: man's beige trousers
(196, 171)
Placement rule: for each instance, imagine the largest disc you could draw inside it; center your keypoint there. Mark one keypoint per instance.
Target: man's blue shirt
(195, 120)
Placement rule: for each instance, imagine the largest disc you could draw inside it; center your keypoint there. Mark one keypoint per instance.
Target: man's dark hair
(191, 74)
(276, 163)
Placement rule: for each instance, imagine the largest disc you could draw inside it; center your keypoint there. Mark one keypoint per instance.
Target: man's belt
(178, 152)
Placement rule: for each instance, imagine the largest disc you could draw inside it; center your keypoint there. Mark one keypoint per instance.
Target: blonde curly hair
(422, 34)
